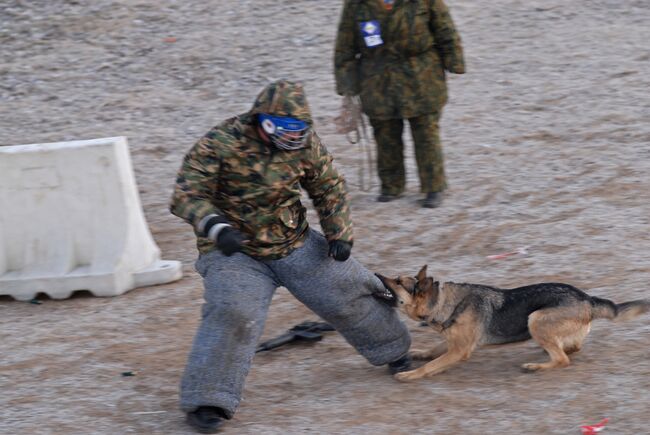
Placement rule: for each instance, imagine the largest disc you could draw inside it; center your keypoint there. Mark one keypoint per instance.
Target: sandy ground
(547, 146)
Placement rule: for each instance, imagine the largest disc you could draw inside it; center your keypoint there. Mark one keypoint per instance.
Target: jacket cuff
(210, 226)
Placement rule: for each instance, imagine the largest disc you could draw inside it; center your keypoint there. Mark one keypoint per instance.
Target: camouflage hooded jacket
(232, 172)
(402, 73)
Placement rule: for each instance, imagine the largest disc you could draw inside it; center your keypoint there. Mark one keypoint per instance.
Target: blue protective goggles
(285, 132)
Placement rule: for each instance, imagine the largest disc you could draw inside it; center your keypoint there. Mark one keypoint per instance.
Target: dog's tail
(606, 309)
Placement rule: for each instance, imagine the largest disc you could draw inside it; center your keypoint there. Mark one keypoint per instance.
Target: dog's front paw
(411, 375)
(530, 367)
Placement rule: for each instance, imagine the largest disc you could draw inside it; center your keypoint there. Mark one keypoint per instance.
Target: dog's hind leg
(429, 354)
(557, 329)
(558, 358)
(573, 344)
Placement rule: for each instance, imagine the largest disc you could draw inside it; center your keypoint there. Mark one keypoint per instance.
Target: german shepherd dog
(557, 316)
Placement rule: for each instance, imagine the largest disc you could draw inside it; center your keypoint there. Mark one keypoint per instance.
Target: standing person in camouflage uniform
(394, 53)
(239, 187)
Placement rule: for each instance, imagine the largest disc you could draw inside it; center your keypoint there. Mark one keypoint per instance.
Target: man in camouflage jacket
(394, 53)
(239, 187)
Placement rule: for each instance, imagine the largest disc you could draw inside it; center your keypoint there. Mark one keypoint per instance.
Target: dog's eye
(401, 302)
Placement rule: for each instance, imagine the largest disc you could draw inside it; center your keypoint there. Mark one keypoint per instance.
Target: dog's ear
(422, 274)
(432, 291)
(425, 285)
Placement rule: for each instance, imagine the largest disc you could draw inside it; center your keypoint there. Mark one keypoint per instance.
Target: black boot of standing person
(432, 200)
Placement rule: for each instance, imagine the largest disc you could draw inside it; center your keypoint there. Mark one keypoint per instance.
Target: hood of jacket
(283, 98)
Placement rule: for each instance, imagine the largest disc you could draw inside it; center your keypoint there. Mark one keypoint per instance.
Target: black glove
(340, 250)
(228, 239)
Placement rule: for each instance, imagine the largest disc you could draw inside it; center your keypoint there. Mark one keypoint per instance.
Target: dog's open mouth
(385, 294)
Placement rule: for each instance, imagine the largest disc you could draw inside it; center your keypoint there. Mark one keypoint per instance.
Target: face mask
(284, 132)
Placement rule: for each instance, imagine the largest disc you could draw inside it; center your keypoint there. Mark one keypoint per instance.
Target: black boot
(384, 197)
(400, 365)
(206, 419)
(432, 200)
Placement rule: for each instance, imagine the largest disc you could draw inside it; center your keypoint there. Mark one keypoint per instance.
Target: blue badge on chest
(371, 33)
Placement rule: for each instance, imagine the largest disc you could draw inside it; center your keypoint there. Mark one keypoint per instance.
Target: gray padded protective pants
(238, 292)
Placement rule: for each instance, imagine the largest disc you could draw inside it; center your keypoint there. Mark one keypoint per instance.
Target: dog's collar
(431, 321)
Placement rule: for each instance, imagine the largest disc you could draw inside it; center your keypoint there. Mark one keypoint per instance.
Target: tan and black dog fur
(557, 316)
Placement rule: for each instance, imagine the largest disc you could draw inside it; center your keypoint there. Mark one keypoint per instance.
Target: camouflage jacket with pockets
(404, 76)
(231, 172)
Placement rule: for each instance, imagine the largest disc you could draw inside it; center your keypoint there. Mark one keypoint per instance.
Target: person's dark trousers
(428, 153)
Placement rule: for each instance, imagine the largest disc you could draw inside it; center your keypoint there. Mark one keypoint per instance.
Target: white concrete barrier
(71, 219)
